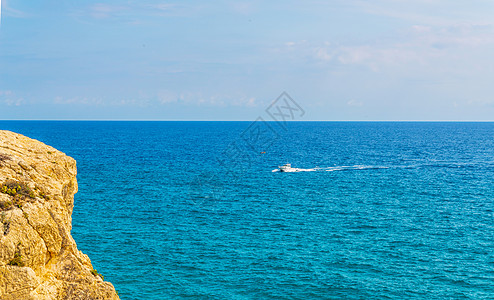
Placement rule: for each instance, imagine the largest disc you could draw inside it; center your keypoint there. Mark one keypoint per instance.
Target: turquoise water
(174, 210)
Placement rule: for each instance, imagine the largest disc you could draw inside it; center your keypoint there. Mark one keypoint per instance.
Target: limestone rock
(38, 256)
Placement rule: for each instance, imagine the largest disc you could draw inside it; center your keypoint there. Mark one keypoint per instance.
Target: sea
(199, 210)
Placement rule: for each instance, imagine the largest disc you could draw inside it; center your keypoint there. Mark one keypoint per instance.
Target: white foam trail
(355, 167)
(302, 170)
(332, 169)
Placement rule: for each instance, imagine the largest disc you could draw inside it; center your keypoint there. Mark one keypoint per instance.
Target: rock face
(38, 256)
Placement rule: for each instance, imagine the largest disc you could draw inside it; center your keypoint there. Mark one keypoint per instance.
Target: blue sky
(227, 60)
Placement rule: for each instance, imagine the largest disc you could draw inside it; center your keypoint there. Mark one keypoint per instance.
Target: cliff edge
(38, 256)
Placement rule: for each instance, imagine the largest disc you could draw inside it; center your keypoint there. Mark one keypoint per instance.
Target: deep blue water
(186, 210)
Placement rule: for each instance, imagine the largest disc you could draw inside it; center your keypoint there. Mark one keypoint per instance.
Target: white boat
(287, 168)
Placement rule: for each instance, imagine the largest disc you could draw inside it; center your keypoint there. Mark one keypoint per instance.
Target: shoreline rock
(39, 258)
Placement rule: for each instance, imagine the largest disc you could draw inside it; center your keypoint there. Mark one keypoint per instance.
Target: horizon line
(188, 120)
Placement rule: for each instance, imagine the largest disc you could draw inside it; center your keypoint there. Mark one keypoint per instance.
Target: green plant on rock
(12, 192)
(19, 190)
(17, 260)
(13, 188)
(95, 273)
(43, 195)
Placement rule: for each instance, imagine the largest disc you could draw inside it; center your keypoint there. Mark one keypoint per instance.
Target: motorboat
(287, 168)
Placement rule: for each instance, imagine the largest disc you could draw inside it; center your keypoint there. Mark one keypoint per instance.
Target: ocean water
(193, 210)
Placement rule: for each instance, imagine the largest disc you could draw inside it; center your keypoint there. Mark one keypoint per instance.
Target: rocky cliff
(38, 256)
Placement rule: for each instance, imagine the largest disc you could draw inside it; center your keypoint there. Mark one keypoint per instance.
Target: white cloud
(135, 12)
(103, 11)
(421, 28)
(98, 101)
(199, 98)
(8, 10)
(355, 103)
(164, 97)
(322, 53)
(242, 7)
(163, 6)
(481, 102)
(418, 46)
(93, 101)
(429, 12)
(9, 98)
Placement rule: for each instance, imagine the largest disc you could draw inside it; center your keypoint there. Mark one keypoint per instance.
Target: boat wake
(356, 167)
(292, 170)
(289, 169)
